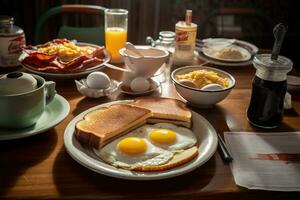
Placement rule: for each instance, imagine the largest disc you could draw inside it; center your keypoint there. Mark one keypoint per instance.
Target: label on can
(10, 49)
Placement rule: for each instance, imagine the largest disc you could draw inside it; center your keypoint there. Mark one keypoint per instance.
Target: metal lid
(6, 20)
(265, 61)
(167, 34)
(272, 70)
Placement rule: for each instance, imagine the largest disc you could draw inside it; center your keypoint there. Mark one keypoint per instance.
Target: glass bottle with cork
(186, 33)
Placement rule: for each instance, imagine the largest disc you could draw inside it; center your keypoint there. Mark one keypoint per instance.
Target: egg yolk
(163, 136)
(132, 145)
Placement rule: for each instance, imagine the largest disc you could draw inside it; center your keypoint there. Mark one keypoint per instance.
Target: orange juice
(115, 39)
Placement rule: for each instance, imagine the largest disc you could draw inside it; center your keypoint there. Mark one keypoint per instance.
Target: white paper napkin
(266, 161)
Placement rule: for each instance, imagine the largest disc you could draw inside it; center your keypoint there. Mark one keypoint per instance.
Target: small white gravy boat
(148, 64)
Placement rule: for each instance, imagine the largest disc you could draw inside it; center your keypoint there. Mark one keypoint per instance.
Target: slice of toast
(172, 110)
(100, 126)
(178, 160)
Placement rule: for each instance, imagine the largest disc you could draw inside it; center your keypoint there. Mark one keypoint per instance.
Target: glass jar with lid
(166, 40)
(269, 87)
(12, 39)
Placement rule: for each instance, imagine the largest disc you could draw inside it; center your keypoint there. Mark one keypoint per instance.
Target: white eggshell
(98, 80)
(139, 84)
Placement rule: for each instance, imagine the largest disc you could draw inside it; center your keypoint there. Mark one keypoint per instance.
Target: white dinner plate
(204, 131)
(73, 75)
(252, 50)
(55, 112)
(210, 52)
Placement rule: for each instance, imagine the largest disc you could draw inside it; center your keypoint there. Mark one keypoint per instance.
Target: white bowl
(149, 64)
(197, 97)
(293, 82)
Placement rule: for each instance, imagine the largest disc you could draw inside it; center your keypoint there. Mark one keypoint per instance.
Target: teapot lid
(17, 83)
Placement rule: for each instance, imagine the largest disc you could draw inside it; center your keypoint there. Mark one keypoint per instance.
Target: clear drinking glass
(116, 21)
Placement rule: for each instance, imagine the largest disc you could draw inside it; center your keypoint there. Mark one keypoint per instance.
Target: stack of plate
(207, 51)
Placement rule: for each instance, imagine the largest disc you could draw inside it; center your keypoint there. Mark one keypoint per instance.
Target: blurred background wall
(250, 20)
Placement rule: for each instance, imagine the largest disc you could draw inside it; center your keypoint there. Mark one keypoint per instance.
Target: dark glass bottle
(266, 104)
(269, 87)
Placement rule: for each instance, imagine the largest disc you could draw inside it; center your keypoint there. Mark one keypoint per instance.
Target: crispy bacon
(38, 59)
(51, 63)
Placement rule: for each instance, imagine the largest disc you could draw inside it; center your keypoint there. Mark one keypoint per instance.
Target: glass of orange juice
(115, 32)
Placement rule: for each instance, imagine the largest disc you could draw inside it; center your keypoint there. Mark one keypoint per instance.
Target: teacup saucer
(54, 113)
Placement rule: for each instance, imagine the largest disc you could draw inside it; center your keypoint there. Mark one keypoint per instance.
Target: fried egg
(149, 145)
(168, 136)
(132, 150)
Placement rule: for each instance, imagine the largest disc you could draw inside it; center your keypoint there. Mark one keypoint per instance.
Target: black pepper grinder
(269, 85)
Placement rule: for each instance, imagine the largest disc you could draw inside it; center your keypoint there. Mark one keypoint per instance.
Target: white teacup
(147, 65)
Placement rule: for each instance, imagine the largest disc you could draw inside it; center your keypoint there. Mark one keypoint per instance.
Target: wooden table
(39, 166)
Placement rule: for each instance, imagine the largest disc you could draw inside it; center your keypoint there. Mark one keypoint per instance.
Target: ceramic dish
(52, 75)
(197, 97)
(252, 49)
(204, 131)
(210, 52)
(146, 66)
(54, 113)
(83, 88)
(154, 85)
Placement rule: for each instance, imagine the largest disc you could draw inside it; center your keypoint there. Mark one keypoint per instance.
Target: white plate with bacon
(63, 59)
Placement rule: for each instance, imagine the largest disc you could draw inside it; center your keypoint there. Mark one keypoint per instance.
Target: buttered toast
(100, 126)
(165, 110)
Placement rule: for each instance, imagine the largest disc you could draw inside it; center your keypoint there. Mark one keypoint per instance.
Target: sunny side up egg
(169, 136)
(132, 150)
(148, 145)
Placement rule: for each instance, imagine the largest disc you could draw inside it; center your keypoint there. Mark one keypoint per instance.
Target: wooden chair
(93, 35)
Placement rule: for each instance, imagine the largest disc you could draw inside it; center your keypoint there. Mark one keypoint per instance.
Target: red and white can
(12, 39)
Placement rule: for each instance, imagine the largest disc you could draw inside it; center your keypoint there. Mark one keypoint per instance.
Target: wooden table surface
(40, 167)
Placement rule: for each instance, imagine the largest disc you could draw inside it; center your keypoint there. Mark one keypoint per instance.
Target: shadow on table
(291, 113)
(72, 179)
(16, 156)
(217, 116)
(87, 103)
